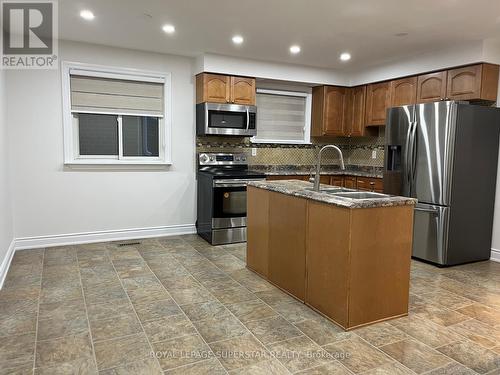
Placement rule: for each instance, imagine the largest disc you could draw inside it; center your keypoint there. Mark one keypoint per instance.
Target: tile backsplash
(357, 151)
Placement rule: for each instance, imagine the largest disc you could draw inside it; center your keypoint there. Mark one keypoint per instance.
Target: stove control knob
(204, 158)
(243, 158)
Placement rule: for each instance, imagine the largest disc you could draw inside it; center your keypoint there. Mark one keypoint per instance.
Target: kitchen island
(345, 254)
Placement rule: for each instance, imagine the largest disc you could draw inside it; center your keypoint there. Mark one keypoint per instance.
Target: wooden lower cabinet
(350, 182)
(361, 274)
(258, 220)
(380, 254)
(370, 184)
(351, 265)
(287, 243)
(327, 286)
(337, 181)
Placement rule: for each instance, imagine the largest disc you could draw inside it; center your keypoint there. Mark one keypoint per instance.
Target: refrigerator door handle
(413, 153)
(407, 159)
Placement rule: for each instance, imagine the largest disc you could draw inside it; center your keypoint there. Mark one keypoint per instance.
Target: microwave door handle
(248, 119)
(206, 118)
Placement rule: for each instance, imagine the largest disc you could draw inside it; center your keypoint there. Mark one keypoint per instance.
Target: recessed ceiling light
(401, 34)
(169, 29)
(237, 39)
(295, 49)
(346, 56)
(87, 15)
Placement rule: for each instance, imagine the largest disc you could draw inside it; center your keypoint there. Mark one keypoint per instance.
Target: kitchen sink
(361, 195)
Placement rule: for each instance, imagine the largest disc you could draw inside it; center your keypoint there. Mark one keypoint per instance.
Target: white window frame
(70, 120)
(307, 125)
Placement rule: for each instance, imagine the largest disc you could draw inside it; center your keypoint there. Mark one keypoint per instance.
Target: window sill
(116, 164)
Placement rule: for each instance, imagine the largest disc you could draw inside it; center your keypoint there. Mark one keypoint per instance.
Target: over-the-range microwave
(226, 119)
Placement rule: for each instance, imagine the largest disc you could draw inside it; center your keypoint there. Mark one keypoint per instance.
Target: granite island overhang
(348, 259)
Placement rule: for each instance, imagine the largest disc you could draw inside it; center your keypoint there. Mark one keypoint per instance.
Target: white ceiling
(323, 28)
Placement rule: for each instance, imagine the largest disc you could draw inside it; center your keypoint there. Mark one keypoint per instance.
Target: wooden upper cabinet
(377, 102)
(213, 88)
(431, 87)
(243, 90)
(328, 111)
(218, 88)
(475, 82)
(403, 91)
(354, 116)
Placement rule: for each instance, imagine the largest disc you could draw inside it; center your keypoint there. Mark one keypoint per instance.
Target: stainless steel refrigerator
(445, 154)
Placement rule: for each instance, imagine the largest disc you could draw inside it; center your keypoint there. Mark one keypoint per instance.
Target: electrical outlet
(374, 154)
(254, 151)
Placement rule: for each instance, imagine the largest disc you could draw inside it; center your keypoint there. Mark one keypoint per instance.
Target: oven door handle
(234, 182)
(241, 184)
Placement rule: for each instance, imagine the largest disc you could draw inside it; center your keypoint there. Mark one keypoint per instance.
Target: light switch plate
(374, 154)
(254, 151)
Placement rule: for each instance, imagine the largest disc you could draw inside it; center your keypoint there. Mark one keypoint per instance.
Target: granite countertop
(299, 189)
(291, 170)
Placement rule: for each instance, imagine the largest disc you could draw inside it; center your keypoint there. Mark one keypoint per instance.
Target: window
(115, 116)
(283, 117)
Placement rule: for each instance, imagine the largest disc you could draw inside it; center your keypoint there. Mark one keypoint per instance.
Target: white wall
(50, 200)
(270, 70)
(6, 220)
(424, 62)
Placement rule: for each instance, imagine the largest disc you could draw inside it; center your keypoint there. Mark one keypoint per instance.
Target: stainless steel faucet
(318, 165)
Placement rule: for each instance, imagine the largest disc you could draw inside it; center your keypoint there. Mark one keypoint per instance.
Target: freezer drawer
(430, 233)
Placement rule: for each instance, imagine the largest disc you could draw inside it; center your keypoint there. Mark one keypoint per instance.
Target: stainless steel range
(222, 197)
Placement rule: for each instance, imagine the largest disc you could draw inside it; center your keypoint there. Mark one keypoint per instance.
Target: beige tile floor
(179, 306)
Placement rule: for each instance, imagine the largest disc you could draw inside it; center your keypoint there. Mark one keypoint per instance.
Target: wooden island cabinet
(350, 264)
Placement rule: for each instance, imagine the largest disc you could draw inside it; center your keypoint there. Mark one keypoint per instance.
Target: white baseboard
(495, 255)
(102, 236)
(4, 267)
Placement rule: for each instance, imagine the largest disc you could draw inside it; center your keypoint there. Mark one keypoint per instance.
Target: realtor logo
(29, 34)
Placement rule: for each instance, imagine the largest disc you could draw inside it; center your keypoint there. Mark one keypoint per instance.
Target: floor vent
(129, 244)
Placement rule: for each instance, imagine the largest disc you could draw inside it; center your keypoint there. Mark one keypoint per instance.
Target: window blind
(280, 117)
(116, 96)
